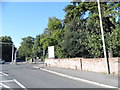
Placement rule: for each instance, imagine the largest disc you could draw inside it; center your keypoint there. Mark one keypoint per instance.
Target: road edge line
(18, 83)
(79, 79)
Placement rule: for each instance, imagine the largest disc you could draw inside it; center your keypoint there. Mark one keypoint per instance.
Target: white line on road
(7, 81)
(18, 83)
(36, 67)
(4, 73)
(79, 79)
(4, 85)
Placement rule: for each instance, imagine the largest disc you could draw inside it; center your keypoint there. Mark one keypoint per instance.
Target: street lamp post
(103, 40)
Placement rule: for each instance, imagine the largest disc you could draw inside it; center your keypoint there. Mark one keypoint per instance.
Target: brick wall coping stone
(81, 58)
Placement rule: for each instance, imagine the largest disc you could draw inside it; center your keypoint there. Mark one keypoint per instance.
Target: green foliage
(52, 34)
(78, 34)
(25, 50)
(54, 24)
(109, 14)
(6, 39)
(74, 39)
(37, 47)
(95, 46)
(113, 41)
(93, 34)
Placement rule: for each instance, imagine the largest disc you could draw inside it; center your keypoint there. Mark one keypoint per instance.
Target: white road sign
(51, 52)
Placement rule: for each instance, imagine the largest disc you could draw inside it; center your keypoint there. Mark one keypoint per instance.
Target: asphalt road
(24, 75)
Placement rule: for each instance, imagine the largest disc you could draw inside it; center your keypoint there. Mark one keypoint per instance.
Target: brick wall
(91, 64)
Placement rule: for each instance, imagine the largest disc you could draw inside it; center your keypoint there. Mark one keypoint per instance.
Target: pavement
(100, 79)
(25, 76)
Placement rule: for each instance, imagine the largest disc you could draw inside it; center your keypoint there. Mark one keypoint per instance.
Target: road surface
(25, 76)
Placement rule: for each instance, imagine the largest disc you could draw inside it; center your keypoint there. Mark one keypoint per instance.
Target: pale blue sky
(21, 19)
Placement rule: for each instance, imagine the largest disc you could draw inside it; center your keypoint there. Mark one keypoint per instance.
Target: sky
(22, 19)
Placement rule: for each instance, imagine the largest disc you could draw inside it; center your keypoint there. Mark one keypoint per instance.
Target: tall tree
(37, 47)
(25, 50)
(74, 41)
(52, 34)
(89, 11)
(109, 15)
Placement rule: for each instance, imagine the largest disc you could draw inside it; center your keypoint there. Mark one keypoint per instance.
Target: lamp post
(103, 40)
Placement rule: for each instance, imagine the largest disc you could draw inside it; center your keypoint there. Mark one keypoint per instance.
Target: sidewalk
(111, 80)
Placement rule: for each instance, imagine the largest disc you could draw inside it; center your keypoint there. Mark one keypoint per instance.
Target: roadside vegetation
(78, 34)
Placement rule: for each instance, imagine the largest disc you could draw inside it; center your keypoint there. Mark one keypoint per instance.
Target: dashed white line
(18, 83)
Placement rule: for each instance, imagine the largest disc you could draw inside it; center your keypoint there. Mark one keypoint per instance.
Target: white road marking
(7, 81)
(36, 67)
(79, 79)
(18, 83)
(4, 74)
(4, 85)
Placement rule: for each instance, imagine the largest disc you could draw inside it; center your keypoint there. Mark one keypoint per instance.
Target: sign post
(51, 52)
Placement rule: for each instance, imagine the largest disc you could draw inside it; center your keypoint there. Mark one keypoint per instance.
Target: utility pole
(103, 40)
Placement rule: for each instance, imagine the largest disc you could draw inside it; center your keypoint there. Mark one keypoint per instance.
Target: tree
(78, 34)
(6, 39)
(109, 13)
(52, 35)
(114, 41)
(25, 50)
(37, 47)
(89, 12)
(74, 41)
(54, 24)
